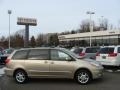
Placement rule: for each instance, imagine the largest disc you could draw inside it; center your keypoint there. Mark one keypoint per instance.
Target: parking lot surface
(110, 81)
(1, 70)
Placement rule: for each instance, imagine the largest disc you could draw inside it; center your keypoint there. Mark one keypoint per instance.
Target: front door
(61, 64)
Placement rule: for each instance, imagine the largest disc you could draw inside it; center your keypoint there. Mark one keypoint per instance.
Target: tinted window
(118, 49)
(78, 50)
(106, 50)
(59, 55)
(91, 50)
(20, 54)
(39, 54)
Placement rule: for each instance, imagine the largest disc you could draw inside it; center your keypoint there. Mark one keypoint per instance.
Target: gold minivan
(51, 63)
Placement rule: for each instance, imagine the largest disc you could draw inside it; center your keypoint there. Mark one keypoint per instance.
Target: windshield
(106, 50)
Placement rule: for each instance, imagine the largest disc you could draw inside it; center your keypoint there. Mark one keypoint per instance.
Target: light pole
(91, 25)
(102, 25)
(9, 12)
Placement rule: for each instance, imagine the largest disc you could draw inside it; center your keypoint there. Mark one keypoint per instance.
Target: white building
(99, 38)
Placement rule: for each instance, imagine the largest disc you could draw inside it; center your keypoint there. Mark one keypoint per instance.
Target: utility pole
(9, 12)
(91, 25)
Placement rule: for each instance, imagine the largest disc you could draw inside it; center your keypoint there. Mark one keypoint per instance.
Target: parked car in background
(51, 63)
(77, 50)
(88, 52)
(5, 54)
(109, 57)
(1, 51)
(1, 54)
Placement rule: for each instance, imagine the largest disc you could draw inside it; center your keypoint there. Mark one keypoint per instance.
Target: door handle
(52, 62)
(46, 61)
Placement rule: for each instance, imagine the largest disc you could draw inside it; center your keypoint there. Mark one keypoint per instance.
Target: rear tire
(83, 77)
(20, 76)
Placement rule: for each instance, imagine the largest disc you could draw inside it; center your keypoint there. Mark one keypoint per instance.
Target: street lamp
(102, 25)
(91, 25)
(9, 12)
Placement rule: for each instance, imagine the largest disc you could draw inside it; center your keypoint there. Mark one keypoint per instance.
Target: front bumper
(98, 73)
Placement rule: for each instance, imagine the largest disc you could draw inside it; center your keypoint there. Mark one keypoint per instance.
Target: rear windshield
(78, 51)
(91, 50)
(106, 50)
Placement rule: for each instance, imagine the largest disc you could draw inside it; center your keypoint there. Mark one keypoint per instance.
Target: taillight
(82, 54)
(7, 61)
(112, 54)
(97, 54)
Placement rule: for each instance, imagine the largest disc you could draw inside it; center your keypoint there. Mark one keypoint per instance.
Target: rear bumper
(8, 72)
(109, 62)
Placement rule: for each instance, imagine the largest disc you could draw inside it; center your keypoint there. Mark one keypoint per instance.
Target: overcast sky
(56, 15)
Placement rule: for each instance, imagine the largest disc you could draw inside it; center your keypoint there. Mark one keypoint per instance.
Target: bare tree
(39, 40)
(33, 41)
(103, 23)
(85, 26)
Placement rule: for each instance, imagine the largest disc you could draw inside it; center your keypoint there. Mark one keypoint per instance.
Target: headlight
(94, 63)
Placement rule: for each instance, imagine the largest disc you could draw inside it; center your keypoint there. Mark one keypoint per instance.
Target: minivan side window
(38, 54)
(118, 49)
(59, 55)
(91, 50)
(20, 55)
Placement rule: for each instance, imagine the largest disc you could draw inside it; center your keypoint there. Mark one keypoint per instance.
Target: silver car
(86, 52)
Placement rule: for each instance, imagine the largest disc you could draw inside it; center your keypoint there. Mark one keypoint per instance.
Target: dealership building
(98, 38)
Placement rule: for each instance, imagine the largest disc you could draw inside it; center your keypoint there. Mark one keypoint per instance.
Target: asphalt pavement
(110, 81)
(1, 70)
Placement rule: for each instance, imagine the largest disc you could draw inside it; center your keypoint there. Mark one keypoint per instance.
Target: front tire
(83, 77)
(20, 76)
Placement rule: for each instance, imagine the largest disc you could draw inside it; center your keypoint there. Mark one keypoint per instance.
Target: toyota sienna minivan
(51, 63)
